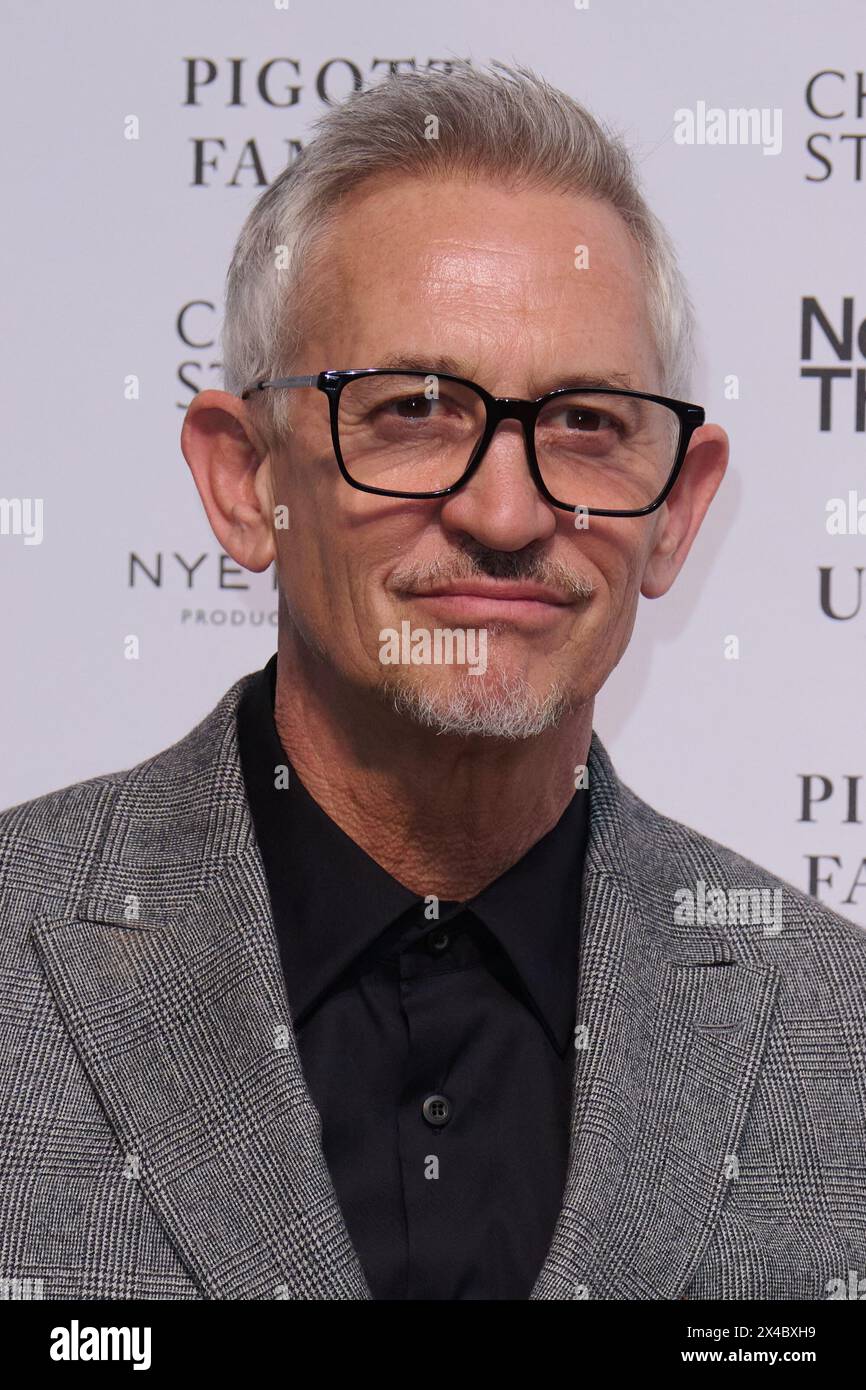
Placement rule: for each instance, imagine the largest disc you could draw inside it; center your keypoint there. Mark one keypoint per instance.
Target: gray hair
(502, 123)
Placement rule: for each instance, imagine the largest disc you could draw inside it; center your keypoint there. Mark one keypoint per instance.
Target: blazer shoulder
(670, 856)
(50, 844)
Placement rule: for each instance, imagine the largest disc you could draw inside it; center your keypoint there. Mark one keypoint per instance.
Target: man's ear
(232, 470)
(681, 515)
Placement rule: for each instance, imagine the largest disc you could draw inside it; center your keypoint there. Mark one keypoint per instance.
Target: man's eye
(413, 407)
(588, 420)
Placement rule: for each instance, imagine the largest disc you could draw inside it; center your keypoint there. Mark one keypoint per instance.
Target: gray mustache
(515, 565)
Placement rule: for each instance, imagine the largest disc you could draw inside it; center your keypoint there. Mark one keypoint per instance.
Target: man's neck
(443, 815)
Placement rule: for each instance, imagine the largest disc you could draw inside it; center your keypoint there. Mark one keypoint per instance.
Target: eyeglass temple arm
(280, 381)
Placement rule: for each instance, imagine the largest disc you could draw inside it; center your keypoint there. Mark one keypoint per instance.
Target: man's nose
(500, 506)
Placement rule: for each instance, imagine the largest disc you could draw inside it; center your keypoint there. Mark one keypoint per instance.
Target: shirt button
(438, 941)
(436, 1110)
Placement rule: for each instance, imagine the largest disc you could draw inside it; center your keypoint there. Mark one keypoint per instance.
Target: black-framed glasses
(423, 434)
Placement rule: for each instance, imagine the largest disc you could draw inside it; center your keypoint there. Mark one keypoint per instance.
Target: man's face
(419, 272)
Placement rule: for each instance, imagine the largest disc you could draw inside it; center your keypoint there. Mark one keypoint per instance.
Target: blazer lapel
(182, 1024)
(670, 1037)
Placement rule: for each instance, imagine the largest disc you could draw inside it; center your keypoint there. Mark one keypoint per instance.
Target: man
(380, 983)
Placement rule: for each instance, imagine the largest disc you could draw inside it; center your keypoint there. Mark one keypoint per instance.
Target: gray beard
(508, 708)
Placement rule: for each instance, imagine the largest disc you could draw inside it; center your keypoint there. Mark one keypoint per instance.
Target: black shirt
(438, 1051)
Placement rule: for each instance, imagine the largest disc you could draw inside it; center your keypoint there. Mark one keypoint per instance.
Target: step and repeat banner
(138, 137)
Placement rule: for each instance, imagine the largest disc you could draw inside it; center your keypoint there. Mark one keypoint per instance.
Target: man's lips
(475, 602)
(498, 591)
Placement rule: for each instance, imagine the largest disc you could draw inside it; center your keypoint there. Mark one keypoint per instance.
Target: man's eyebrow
(607, 380)
(409, 362)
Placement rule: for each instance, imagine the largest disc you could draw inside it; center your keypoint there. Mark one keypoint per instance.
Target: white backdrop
(106, 239)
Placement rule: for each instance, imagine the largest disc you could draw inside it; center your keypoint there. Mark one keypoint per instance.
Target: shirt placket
(429, 1135)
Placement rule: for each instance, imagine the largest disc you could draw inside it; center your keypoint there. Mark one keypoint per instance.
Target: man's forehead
(386, 228)
(411, 258)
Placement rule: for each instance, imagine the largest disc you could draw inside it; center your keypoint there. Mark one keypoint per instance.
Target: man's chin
(497, 704)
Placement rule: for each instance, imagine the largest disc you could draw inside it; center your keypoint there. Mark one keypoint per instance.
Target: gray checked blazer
(159, 1142)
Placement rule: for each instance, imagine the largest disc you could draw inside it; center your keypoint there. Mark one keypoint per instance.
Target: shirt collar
(331, 901)
(533, 909)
